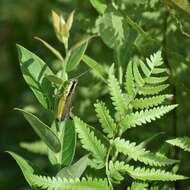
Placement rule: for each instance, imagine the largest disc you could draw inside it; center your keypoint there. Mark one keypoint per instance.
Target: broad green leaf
(38, 147)
(99, 70)
(124, 53)
(43, 131)
(67, 136)
(76, 54)
(34, 71)
(24, 165)
(51, 48)
(75, 170)
(54, 79)
(99, 5)
(112, 30)
(68, 142)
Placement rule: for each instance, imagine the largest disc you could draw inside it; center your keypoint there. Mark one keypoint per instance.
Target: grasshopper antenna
(83, 73)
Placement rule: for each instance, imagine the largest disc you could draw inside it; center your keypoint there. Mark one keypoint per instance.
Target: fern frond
(56, 183)
(89, 141)
(117, 96)
(181, 142)
(149, 102)
(107, 122)
(38, 147)
(137, 153)
(143, 174)
(145, 116)
(138, 186)
(152, 90)
(129, 81)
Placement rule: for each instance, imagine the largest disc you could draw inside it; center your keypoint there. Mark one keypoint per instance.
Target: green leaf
(43, 131)
(137, 153)
(67, 136)
(34, 71)
(107, 122)
(143, 174)
(155, 80)
(117, 96)
(53, 183)
(181, 142)
(75, 170)
(112, 29)
(137, 76)
(129, 81)
(24, 165)
(144, 68)
(68, 142)
(99, 70)
(54, 79)
(89, 141)
(99, 5)
(52, 49)
(76, 53)
(145, 116)
(142, 103)
(152, 90)
(38, 147)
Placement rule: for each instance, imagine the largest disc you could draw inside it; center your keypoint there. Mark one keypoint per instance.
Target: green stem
(107, 168)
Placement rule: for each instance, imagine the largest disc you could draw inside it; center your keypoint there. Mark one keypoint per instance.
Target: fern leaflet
(152, 90)
(143, 174)
(181, 142)
(107, 122)
(89, 141)
(129, 81)
(142, 103)
(145, 116)
(56, 183)
(116, 95)
(137, 153)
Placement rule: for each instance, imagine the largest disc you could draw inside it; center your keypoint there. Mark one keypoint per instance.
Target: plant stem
(107, 168)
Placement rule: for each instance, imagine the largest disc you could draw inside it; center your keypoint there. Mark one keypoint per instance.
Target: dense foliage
(140, 76)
